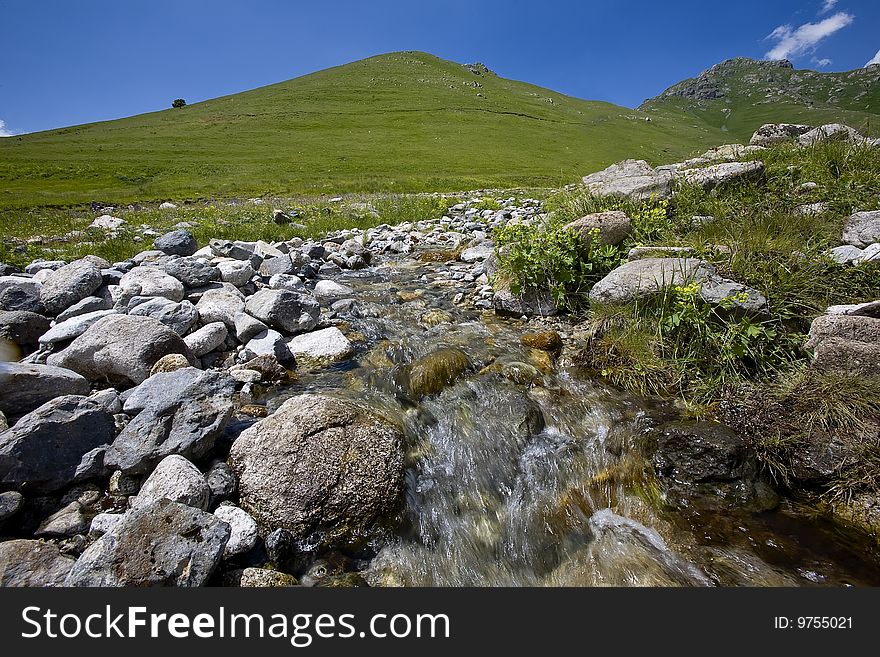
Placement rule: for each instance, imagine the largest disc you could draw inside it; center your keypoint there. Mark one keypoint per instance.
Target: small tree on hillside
(179, 102)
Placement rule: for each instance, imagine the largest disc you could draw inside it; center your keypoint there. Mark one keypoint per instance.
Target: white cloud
(875, 60)
(827, 6)
(3, 131)
(821, 63)
(791, 41)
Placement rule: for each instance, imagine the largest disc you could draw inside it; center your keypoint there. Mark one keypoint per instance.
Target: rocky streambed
(360, 410)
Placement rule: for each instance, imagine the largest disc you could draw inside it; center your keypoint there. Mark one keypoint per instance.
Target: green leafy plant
(555, 258)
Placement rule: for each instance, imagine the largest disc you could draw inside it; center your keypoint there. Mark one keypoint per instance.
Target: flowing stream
(517, 483)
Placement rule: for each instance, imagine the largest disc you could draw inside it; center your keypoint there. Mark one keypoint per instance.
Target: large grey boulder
(177, 242)
(69, 284)
(862, 228)
(32, 564)
(845, 254)
(161, 388)
(283, 310)
(192, 272)
(633, 179)
(147, 281)
(722, 174)
(22, 327)
(230, 249)
(868, 309)
(290, 282)
(162, 544)
(774, 133)
(50, 447)
(20, 293)
(831, 132)
(220, 306)
(846, 344)
(120, 349)
(319, 464)
(175, 479)
(648, 276)
(187, 424)
(25, 387)
(612, 227)
(179, 317)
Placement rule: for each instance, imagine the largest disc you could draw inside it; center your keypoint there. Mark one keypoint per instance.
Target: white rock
(106, 222)
(178, 480)
(207, 338)
(328, 289)
(243, 526)
(870, 253)
(844, 255)
(237, 272)
(320, 348)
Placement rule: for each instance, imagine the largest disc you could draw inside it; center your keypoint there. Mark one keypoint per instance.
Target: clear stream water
(513, 484)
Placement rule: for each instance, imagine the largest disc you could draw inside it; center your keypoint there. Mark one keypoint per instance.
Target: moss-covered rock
(549, 341)
(430, 374)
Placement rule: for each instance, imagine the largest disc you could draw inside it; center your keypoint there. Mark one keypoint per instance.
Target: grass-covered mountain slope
(739, 95)
(404, 121)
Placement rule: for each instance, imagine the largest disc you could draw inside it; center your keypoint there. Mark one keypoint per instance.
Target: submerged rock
(319, 464)
(544, 341)
(431, 373)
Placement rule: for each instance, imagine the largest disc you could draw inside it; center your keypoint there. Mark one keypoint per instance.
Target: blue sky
(65, 62)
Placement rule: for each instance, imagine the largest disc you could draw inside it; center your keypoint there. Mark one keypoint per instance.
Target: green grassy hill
(739, 95)
(404, 121)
